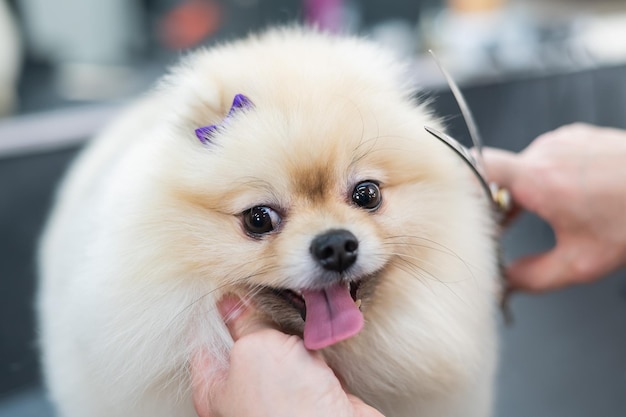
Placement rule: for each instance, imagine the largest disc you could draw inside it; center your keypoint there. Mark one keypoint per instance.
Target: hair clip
(205, 133)
(499, 196)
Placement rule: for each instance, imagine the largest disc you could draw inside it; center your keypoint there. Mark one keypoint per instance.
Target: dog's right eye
(260, 220)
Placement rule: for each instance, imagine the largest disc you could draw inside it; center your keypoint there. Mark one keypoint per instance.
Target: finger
(209, 381)
(539, 273)
(511, 215)
(502, 166)
(361, 409)
(205, 384)
(241, 317)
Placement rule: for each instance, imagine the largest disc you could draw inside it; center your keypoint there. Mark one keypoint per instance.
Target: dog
(290, 169)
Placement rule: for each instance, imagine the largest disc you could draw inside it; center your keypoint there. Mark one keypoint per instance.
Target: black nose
(335, 250)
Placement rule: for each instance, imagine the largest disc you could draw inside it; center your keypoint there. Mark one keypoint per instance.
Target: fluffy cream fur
(146, 234)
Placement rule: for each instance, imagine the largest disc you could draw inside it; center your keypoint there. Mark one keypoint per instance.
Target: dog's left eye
(260, 220)
(367, 195)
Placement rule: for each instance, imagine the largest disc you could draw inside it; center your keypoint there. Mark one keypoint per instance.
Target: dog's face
(304, 205)
(309, 204)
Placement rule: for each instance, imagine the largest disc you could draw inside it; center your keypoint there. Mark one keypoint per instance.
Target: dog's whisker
(446, 251)
(220, 287)
(466, 265)
(422, 261)
(410, 269)
(440, 248)
(422, 271)
(434, 242)
(359, 157)
(354, 104)
(244, 301)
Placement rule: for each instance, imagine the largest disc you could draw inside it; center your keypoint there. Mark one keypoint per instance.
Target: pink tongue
(331, 316)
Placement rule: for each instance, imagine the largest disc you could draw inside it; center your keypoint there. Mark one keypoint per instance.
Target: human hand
(270, 374)
(575, 179)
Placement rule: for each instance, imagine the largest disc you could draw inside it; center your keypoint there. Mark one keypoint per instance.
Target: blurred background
(526, 66)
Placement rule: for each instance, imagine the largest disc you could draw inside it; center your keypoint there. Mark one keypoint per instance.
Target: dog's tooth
(358, 303)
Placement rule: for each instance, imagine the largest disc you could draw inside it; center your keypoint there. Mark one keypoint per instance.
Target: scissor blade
(465, 154)
(465, 111)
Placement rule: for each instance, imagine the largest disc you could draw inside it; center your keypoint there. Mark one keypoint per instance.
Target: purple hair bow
(205, 133)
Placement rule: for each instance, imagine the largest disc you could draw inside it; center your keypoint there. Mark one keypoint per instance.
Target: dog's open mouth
(294, 297)
(330, 314)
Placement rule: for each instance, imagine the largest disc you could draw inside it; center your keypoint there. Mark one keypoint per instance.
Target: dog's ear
(240, 103)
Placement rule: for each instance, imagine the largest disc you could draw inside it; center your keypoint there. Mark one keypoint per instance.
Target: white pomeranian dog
(291, 169)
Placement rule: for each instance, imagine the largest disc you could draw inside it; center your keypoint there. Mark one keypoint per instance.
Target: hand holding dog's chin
(270, 374)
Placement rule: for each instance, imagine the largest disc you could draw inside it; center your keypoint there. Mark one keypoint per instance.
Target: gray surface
(26, 189)
(27, 403)
(564, 356)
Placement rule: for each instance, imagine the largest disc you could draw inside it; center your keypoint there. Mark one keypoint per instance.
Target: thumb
(502, 166)
(205, 385)
(209, 381)
(361, 409)
(241, 317)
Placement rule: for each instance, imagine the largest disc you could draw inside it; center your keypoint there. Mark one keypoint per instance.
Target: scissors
(500, 197)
